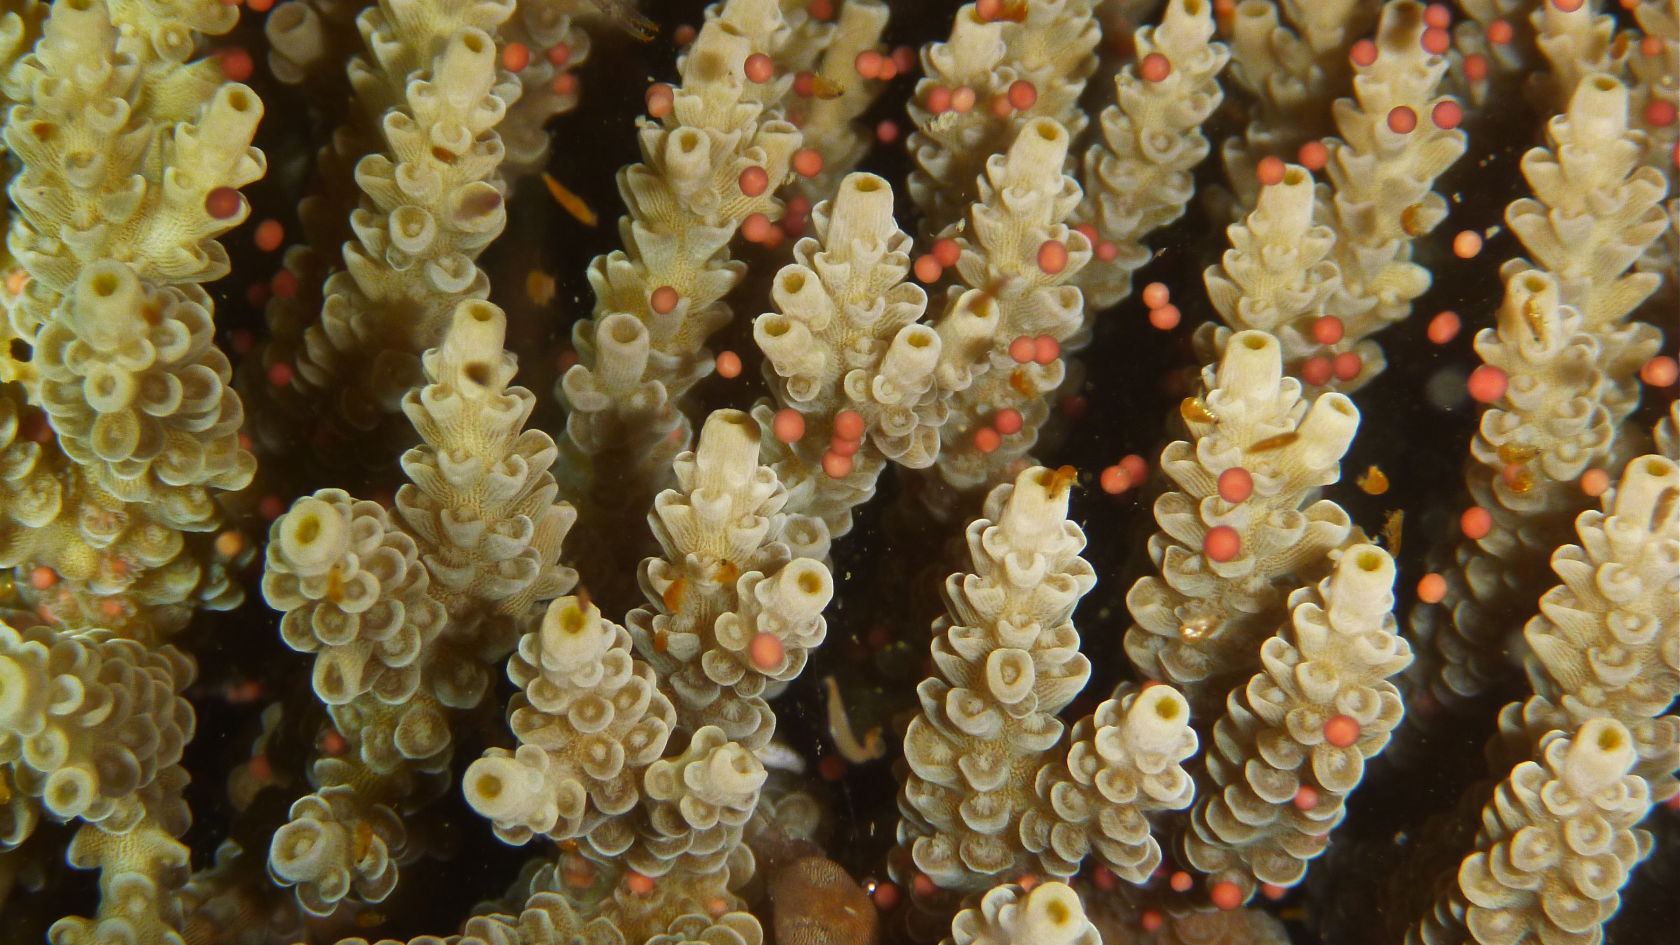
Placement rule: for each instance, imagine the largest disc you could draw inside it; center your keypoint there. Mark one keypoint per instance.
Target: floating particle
(1113, 480)
(540, 286)
(660, 98)
(807, 162)
(1594, 482)
(1306, 797)
(333, 743)
(1342, 731)
(1222, 543)
(1052, 257)
(766, 651)
(1393, 519)
(1487, 384)
(1236, 485)
(229, 544)
(755, 228)
(1274, 442)
(570, 202)
(1225, 895)
(1476, 523)
(849, 424)
(1021, 349)
(1517, 478)
(663, 300)
(754, 180)
(516, 56)
(835, 465)
(1195, 410)
(269, 235)
(1313, 156)
(868, 64)
(223, 202)
(1046, 349)
(946, 251)
(1660, 371)
(1154, 67)
(236, 63)
(788, 425)
(1022, 95)
(1327, 329)
(1165, 317)
(1444, 327)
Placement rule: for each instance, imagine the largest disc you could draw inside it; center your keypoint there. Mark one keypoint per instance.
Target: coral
(1048, 914)
(1294, 742)
(1556, 845)
(590, 721)
(1023, 206)
(666, 631)
(1606, 643)
(1200, 623)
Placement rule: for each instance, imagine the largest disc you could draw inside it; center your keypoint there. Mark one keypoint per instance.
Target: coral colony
(823, 486)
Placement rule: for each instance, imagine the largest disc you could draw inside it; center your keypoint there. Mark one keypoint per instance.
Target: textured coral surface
(839, 472)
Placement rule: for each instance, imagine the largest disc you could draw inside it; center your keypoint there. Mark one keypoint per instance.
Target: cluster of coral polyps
(833, 491)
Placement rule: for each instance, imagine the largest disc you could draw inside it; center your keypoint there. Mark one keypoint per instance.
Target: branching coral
(661, 772)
